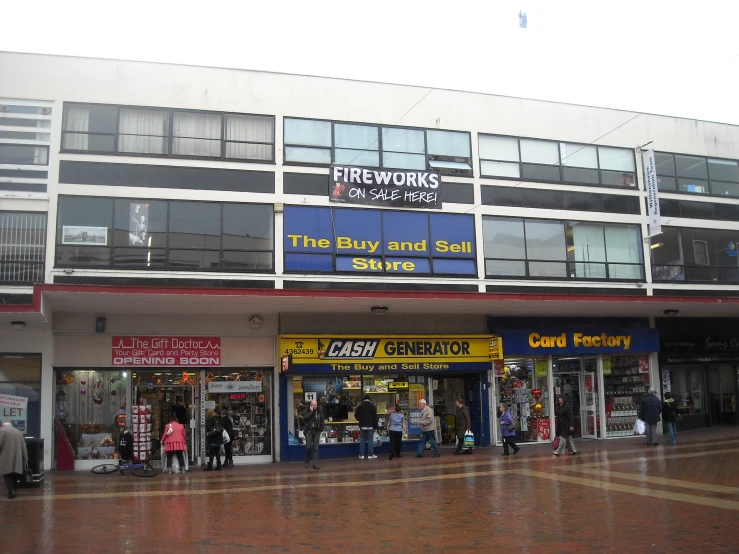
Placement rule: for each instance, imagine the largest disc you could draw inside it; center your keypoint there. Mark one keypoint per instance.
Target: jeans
(396, 439)
(366, 435)
(214, 451)
(429, 436)
(672, 431)
(651, 431)
(180, 459)
(509, 441)
(312, 440)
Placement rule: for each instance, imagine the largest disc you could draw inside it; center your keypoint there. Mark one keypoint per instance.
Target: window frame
(380, 147)
(560, 166)
(570, 265)
(111, 247)
(170, 136)
(709, 181)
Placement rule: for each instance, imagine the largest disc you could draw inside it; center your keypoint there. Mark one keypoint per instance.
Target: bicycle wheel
(105, 469)
(146, 471)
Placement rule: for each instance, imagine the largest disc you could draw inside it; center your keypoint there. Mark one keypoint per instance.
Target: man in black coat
(227, 425)
(649, 412)
(366, 415)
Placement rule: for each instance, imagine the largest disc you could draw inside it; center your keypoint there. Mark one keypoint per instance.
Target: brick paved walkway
(614, 496)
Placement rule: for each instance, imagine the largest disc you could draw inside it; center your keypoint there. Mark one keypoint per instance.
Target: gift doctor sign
(15, 410)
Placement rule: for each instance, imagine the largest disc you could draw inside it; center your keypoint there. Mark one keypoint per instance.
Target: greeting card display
(142, 431)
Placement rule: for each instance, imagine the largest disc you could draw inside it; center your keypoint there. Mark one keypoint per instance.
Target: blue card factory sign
(351, 240)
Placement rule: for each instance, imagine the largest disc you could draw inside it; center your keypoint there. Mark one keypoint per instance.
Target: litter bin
(35, 449)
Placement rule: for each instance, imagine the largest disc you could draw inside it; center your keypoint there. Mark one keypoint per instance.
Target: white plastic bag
(170, 430)
(640, 427)
(226, 437)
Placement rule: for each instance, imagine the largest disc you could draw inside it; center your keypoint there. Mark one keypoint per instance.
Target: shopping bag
(639, 427)
(469, 440)
(555, 443)
(226, 438)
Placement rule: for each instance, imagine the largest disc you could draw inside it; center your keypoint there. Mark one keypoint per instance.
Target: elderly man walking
(13, 455)
(427, 422)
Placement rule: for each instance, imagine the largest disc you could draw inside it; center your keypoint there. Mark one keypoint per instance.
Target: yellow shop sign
(316, 349)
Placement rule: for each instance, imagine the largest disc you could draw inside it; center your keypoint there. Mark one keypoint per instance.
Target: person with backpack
(214, 439)
(314, 424)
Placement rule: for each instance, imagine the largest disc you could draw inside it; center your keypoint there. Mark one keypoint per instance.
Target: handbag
(170, 430)
(555, 443)
(27, 473)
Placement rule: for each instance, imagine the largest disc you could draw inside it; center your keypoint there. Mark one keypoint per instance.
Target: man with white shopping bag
(463, 424)
(649, 412)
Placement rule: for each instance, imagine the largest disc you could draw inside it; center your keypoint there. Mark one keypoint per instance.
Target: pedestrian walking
(366, 416)
(649, 412)
(228, 426)
(174, 440)
(670, 417)
(13, 455)
(507, 430)
(427, 422)
(463, 423)
(395, 427)
(214, 438)
(565, 427)
(314, 424)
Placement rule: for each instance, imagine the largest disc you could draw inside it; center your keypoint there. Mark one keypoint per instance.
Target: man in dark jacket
(229, 428)
(314, 424)
(214, 440)
(565, 426)
(463, 423)
(366, 415)
(669, 416)
(649, 412)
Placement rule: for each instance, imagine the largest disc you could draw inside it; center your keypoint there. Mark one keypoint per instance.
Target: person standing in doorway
(565, 426)
(13, 455)
(427, 422)
(174, 440)
(649, 412)
(228, 426)
(180, 413)
(395, 427)
(463, 423)
(507, 430)
(366, 415)
(669, 416)
(214, 437)
(314, 424)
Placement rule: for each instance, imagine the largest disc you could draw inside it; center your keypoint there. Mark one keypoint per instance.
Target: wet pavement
(616, 495)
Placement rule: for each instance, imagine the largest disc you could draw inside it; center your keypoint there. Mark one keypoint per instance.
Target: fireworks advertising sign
(375, 187)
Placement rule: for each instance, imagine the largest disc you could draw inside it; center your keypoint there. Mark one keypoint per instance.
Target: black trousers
(180, 459)
(396, 440)
(509, 441)
(312, 440)
(460, 441)
(10, 482)
(229, 457)
(214, 452)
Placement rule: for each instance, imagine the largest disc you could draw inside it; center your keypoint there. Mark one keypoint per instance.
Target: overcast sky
(666, 57)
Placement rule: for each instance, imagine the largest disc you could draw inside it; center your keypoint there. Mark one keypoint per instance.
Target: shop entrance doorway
(166, 394)
(446, 391)
(577, 380)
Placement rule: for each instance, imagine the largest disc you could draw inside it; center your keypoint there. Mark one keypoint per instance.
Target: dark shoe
(391, 456)
(572, 453)
(12, 495)
(505, 454)
(316, 467)
(437, 455)
(208, 468)
(419, 455)
(515, 450)
(457, 452)
(218, 468)
(398, 456)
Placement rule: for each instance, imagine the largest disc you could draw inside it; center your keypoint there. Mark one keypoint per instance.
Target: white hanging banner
(650, 177)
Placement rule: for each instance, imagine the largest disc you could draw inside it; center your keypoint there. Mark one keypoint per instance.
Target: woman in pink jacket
(174, 440)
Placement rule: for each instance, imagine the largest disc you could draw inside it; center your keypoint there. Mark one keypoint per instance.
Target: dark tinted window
(697, 210)
(620, 204)
(502, 196)
(194, 225)
(460, 193)
(247, 227)
(669, 208)
(544, 199)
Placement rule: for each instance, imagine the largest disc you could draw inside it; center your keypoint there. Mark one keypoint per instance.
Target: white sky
(678, 57)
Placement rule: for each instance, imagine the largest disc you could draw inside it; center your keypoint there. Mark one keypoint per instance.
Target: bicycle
(139, 469)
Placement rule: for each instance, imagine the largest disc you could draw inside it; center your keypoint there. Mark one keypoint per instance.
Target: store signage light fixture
(671, 312)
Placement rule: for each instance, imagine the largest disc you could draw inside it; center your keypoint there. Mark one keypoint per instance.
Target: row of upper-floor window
(109, 129)
(147, 234)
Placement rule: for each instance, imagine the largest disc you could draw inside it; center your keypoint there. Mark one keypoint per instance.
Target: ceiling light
(20, 325)
(671, 312)
(656, 245)
(378, 310)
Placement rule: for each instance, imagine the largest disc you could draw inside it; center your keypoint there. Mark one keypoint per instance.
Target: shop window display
(626, 381)
(522, 386)
(247, 395)
(20, 392)
(91, 407)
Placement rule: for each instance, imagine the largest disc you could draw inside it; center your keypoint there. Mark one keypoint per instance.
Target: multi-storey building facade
(174, 234)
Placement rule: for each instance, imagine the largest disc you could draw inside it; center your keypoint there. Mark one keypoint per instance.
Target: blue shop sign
(542, 342)
(350, 240)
